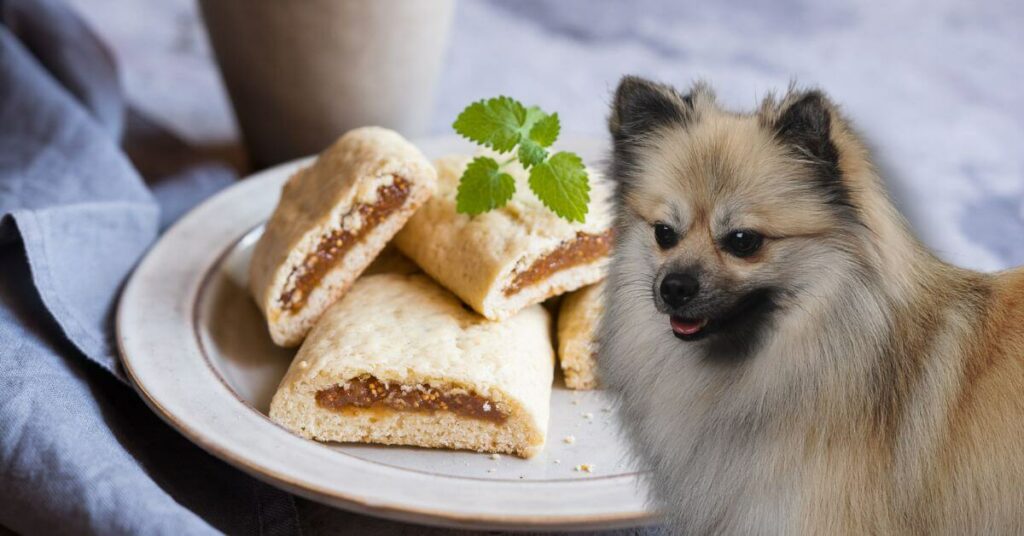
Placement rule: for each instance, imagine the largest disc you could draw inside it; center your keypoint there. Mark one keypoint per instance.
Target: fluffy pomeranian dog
(787, 357)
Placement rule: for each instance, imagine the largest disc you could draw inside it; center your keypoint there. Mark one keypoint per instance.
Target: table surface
(934, 85)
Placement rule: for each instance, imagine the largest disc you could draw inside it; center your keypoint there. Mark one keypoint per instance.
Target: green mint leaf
(533, 114)
(531, 154)
(505, 125)
(545, 131)
(561, 184)
(497, 123)
(483, 187)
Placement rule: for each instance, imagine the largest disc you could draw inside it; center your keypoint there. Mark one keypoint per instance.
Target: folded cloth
(79, 451)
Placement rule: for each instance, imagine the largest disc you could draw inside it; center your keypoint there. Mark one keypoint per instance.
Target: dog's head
(727, 216)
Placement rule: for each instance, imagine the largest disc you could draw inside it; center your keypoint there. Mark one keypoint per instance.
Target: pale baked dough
(321, 199)
(578, 317)
(476, 257)
(391, 261)
(406, 329)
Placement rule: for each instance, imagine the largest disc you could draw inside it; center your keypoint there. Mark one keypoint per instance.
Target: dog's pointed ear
(806, 124)
(641, 106)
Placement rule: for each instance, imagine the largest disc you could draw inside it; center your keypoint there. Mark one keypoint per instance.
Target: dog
(786, 356)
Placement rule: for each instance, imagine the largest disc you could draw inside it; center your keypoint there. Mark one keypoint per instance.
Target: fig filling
(368, 392)
(332, 247)
(585, 248)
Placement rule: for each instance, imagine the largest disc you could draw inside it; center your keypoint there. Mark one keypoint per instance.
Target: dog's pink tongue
(686, 327)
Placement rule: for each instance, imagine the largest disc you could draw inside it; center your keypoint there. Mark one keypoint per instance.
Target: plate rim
(304, 487)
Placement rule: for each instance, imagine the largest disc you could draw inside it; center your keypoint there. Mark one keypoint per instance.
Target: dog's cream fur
(885, 393)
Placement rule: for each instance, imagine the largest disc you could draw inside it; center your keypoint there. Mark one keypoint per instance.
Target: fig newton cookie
(399, 360)
(333, 218)
(501, 261)
(578, 317)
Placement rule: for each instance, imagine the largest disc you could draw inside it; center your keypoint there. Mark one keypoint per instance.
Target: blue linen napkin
(79, 451)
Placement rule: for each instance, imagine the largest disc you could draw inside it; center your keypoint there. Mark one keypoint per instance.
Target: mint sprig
(483, 187)
(503, 124)
(561, 184)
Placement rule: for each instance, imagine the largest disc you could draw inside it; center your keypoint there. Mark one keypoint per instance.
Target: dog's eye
(742, 243)
(665, 236)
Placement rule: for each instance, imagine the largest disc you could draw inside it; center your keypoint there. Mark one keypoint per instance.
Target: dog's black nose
(677, 289)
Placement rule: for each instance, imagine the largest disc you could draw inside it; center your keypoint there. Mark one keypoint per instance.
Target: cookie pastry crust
(501, 261)
(333, 218)
(577, 349)
(399, 360)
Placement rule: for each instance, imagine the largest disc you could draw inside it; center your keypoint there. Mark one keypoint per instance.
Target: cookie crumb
(569, 439)
(495, 456)
(588, 415)
(584, 468)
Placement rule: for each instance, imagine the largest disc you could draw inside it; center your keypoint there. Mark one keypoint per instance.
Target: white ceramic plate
(197, 350)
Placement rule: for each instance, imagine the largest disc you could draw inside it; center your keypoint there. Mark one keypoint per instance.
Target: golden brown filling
(368, 392)
(333, 247)
(584, 249)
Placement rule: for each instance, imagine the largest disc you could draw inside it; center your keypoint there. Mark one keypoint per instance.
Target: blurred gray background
(935, 85)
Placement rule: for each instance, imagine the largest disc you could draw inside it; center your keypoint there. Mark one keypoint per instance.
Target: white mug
(302, 72)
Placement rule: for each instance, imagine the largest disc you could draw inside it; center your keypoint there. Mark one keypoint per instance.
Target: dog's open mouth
(688, 329)
(744, 318)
